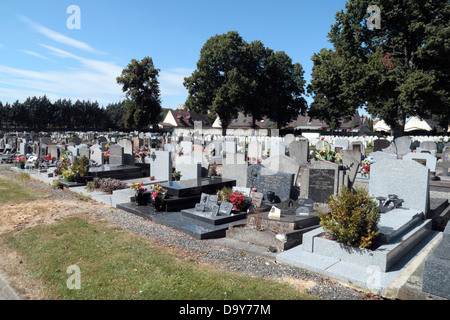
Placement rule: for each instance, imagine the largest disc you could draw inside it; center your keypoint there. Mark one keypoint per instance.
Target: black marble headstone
(321, 184)
(265, 180)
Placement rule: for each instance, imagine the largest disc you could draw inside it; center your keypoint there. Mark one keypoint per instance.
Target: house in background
(183, 119)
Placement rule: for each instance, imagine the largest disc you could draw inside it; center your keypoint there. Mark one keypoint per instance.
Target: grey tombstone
(75, 140)
(282, 163)
(358, 145)
(128, 151)
(379, 155)
(380, 144)
(190, 170)
(340, 144)
(186, 148)
(407, 179)
(403, 145)
(425, 159)
(350, 161)
(254, 150)
(236, 172)
(299, 150)
(161, 165)
(320, 181)
(116, 155)
(84, 151)
(265, 180)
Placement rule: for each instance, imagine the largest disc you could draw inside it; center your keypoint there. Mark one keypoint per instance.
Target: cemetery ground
(43, 231)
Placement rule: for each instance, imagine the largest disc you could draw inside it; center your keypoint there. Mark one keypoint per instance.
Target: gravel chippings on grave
(207, 252)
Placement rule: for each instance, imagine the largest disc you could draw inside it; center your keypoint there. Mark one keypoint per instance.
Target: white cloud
(58, 37)
(171, 81)
(35, 54)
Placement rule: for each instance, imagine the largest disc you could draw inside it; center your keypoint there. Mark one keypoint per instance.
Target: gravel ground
(209, 252)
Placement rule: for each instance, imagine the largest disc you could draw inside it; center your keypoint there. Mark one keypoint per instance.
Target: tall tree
(140, 82)
(212, 86)
(334, 86)
(285, 87)
(405, 62)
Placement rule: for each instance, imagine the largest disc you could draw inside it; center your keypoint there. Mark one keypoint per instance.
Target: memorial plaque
(265, 180)
(321, 184)
(274, 213)
(225, 208)
(215, 210)
(212, 201)
(257, 198)
(421, 161)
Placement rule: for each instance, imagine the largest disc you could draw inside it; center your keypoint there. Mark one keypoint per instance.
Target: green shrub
(353, 218)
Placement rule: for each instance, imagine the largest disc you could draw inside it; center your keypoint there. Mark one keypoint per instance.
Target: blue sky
(40, 55)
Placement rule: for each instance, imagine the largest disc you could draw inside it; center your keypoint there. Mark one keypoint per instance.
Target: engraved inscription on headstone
(321, 184)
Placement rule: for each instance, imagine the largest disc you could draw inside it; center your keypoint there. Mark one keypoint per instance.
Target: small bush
(23, 177)
(353, 219)
(108, 185)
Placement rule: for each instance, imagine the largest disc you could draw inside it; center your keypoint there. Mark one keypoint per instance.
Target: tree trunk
(399, 129)
(224, 131)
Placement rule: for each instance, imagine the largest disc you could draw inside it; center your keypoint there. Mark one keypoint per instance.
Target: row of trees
(40, 114)
(394, 72)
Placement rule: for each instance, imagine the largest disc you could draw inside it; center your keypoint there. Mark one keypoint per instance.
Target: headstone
(306, 207)
(257, 198)
(189, 171)
(254, 150)
(128, 151)
(299, 150)
(116, 155)
(74, 140)
(265, 180)
(358, 145)
(425, 159)
(407, 179)
(380, 144)
(350, 161)
(340, 144)
(236, 172)
(320, 181)
(84, 151)
(282, 163)
(186, 148)
(96, 154)
(403, 145)
(161, 165)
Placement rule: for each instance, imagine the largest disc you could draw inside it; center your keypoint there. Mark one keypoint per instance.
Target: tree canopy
(397, 71)
(234, 76)
(140, 82)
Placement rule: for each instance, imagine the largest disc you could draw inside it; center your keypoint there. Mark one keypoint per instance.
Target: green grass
(12, 191)
(117, 265)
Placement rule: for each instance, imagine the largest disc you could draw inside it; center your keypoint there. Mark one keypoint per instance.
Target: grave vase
(142, 198)
(237, 207)
(158, 204)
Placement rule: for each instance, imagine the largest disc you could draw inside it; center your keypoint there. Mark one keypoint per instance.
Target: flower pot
(142, 198)
(22, 165)
(158, 204)
(237, 208)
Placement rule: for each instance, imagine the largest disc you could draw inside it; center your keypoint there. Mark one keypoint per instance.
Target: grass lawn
(12, 191)
(115, 264)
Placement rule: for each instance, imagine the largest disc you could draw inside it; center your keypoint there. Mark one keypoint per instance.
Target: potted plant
(21, 162)
(141, 197)
(238, 200)
(176, 175)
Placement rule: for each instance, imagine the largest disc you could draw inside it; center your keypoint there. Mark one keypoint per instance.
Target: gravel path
(209, 252)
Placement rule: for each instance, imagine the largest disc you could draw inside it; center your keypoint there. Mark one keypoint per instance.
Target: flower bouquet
(158, 194)
(141, 197)
(238, 200)
(327, 154)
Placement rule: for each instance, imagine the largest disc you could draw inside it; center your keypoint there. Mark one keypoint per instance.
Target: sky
(48, 48)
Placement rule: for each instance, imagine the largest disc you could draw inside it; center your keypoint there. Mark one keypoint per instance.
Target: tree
(334, 85)
(212, 87)
(234, 76)
(285, 87)
(140, 82)
(405, 63)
